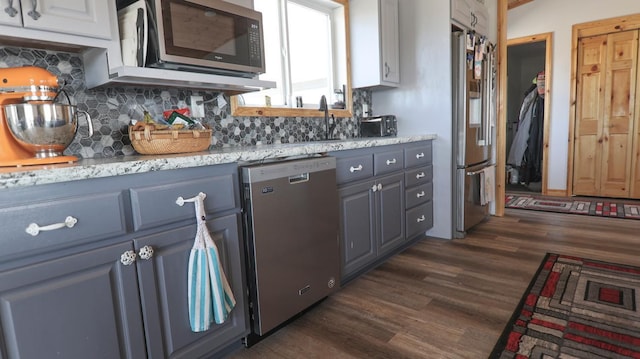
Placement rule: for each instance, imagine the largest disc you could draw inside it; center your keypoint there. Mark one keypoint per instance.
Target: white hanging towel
(209, 294)
(489, 184)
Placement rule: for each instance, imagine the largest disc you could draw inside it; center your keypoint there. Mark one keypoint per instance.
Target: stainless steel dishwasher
(291, 232)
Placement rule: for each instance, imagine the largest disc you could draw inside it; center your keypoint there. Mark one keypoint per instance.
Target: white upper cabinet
(471, 14)
(77, 17)
(10, 12)
(375, 55)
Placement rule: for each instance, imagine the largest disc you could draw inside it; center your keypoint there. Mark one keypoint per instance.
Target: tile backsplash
(112, 108)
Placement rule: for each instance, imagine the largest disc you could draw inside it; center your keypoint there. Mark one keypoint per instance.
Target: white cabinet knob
(374, 188)
(146, 252)
(128, 258)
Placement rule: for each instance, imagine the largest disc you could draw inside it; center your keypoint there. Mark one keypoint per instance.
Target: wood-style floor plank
(447, 299)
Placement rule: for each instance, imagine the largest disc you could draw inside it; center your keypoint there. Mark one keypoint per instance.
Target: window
(305, 54)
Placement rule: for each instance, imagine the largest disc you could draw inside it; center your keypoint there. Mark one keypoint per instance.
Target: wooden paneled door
(605, 128)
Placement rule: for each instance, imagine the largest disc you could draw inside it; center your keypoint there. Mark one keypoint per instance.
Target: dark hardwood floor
(447, 299)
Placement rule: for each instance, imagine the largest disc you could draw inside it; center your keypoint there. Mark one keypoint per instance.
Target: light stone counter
(94, 168)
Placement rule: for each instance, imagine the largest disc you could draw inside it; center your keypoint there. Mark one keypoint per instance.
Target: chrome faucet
(324, 107)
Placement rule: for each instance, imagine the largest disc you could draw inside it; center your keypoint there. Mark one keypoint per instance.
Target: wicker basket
(149, 142)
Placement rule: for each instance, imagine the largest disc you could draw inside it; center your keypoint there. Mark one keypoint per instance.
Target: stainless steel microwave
(205, 36)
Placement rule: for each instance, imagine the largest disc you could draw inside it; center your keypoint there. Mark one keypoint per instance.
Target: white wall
(422, 103)
(555, 16)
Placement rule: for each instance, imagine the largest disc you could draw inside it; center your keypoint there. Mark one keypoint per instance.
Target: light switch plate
(197, 106)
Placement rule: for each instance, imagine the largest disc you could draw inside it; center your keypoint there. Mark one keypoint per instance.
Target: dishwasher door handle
(303, 177)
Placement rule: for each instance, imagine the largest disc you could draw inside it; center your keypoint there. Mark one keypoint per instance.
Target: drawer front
(418, 155)
(419, 194)
(349, 169)
(156, 205)
(418, 176)
(419, 219)
(387, 162)
(96, 216)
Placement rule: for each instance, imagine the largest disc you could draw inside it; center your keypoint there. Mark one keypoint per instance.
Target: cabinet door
(80, 306)
(10, 14)
(390, 37)
(163, 288)
(84, 17)
(461, 11)
(391, 208)
(619, 93)
(357, 226)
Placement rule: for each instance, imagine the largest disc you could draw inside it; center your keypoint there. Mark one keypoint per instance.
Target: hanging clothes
(526, 150)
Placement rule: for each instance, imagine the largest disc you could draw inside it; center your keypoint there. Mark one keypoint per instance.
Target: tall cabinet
(606, 128)
(375, 50)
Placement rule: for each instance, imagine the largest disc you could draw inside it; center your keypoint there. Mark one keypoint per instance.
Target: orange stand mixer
(26, 85)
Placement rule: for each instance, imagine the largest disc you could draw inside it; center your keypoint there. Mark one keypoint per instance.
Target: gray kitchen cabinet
(419, 188)
(386, 202)
(163, 288)
(86, 18)
(66, 285)
(83, 305)
(372, 220)
(375, 47)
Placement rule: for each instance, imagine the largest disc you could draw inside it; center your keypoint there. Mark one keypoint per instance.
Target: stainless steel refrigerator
(474, 108)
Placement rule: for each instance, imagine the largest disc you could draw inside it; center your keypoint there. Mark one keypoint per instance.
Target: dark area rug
(575, 308)
(590, 207)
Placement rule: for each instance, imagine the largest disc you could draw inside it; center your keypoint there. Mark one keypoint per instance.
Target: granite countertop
(94, 168)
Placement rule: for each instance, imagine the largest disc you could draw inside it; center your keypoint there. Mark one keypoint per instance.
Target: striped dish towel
(210, 296)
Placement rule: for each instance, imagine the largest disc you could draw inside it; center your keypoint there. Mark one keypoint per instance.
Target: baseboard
(556, 192)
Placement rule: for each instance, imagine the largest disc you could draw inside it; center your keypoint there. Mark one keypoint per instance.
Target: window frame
(251, 111)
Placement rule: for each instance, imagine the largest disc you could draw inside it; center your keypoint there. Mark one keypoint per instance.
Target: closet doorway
(604, 157)
(527, 113)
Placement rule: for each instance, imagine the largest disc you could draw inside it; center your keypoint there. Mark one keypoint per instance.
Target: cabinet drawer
(350, 169)
(419, 194)
(418, 176)
(387, 162)
(97, 216)
(156, 205)
(419, 219)
(418, 155)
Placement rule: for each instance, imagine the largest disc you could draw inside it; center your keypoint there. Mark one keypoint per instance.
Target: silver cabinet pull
(146, 252)
(11, 10)
(421, 219)
(374, 188)
(379, 186)
(354, 169)
(420, 175)
(387, 69)
(34, 12)
(421, 194)
(420, 155)
(33, 229)
(391, 162)
(128, 258)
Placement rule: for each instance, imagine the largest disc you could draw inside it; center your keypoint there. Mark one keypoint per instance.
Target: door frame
(547, 37)
(586, 29)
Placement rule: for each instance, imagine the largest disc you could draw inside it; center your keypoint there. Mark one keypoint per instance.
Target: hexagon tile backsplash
(112, 108)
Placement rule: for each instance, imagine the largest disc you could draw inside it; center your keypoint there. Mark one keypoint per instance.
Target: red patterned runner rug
(591, 207)
(576, 308)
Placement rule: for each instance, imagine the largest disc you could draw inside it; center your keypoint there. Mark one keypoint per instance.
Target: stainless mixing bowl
(45, 129)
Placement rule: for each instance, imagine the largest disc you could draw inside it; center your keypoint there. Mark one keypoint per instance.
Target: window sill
(246, 111)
